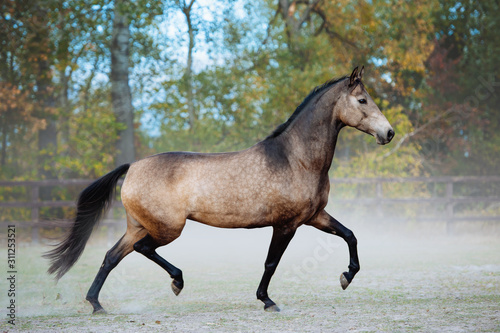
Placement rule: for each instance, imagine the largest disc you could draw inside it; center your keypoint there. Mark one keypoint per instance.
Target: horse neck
(312, 137)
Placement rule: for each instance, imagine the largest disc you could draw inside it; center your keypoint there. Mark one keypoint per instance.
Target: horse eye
(362, 101)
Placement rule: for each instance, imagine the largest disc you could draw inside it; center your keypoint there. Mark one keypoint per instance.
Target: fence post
(35, 213)
(449, 207)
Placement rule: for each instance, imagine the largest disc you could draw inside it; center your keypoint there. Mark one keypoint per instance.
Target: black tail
(92, 204)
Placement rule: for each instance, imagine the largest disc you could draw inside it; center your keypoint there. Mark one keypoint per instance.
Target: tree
(26, 87)
(456, 123)
(39, 43)
(186, 9)
(86, 73)
(120, 89)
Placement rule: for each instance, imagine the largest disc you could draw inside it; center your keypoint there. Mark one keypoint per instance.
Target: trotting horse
(280, 182)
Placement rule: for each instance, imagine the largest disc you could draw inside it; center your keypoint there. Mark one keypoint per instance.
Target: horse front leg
(328, 224)
(281, 239)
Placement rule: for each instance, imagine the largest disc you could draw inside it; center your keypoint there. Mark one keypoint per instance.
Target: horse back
(229, 190)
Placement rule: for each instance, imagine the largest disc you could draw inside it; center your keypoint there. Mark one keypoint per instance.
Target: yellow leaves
(366, 13)
(17, 109)
(10, 97)
(90, 148)
(398, 119)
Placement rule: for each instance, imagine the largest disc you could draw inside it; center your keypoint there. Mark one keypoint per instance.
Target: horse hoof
(100, 311)
(272, 308)
(344, 283)
(176, 289)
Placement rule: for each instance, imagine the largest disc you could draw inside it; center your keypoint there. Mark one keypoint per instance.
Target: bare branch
(329, 31)
(191, 4)
(268, 30)
(418, 130)
(307, 12)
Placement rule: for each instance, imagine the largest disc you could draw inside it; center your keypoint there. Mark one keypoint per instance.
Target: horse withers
(280, 182)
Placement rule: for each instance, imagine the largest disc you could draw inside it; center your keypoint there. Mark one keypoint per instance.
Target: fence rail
(449, 199)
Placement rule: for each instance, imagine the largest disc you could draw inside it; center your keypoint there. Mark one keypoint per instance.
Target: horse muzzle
(385, 137)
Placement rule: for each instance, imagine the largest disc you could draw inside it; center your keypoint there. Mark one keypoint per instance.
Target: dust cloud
(412, 275)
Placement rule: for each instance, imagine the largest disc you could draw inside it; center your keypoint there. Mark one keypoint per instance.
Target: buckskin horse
(280, 182)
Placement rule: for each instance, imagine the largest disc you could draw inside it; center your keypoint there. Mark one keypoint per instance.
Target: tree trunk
(47, 137)
(3, 157)
(293, 24)
(45, 105)
(189, 70)
(120, 89)
(188, 73)
(64, 111)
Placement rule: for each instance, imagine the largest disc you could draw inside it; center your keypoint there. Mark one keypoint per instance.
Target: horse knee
(145, 246)
(141, 248)
(350, 238)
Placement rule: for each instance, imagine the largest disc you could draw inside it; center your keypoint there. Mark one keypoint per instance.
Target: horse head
(358, 110)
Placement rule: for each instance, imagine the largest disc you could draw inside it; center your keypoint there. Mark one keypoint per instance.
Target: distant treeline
(86, 85)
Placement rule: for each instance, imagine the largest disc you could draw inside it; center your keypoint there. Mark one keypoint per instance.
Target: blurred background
(87, 85)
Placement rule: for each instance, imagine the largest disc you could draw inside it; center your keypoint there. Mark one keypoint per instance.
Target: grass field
(421, 283)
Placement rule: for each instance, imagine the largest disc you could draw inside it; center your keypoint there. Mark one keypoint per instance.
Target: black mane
(281, 128)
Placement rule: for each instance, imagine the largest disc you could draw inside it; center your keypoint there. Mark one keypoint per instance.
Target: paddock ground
(410, 280)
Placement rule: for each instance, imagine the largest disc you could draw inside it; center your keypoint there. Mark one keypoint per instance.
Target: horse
(281, 182)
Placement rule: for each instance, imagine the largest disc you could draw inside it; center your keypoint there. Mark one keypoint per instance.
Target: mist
(88, 86)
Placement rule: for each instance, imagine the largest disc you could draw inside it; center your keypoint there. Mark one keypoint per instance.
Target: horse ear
(360, 74)
(353, 77)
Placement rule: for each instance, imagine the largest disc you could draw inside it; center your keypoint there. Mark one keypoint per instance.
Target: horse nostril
(390, 134)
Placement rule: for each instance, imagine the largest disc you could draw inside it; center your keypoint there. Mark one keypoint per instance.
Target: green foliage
(89, 152)
(253, 63)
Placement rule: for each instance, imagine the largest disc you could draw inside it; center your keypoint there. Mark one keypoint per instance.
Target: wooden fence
(35, 204)
(449, 198)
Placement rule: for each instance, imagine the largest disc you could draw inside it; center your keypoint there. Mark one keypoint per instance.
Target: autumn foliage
(221, 77)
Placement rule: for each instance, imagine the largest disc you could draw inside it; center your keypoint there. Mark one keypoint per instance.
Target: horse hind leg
(279, 242)
(147, 246)
(122, 248)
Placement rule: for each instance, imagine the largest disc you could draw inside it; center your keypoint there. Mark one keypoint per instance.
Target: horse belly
(250, 209)
(227, 211)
